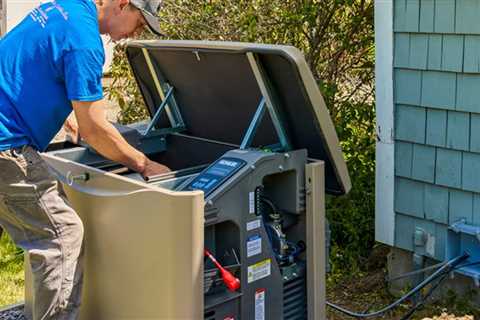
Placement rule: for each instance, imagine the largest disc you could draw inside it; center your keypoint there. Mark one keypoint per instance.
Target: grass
(11, 272)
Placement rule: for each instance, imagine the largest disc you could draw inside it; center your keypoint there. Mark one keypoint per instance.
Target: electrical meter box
(253, 152)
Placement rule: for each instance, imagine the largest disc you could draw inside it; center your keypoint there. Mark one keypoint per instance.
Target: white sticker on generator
(260, 304)
(251, 202)
(259, 270)
(252, 225)
(254, 246)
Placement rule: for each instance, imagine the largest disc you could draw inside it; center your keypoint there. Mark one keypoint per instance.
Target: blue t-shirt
(55, 55)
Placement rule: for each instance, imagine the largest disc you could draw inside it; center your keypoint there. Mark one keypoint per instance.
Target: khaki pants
(38, 217)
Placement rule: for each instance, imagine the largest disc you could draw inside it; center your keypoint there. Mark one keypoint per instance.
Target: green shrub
(337, 39)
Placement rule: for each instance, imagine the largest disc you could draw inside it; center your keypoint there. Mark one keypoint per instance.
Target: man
(50, 64)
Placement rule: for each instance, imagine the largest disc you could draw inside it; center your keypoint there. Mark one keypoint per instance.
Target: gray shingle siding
(437, 118)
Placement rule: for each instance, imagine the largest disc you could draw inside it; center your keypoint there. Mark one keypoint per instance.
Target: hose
(422, 301)
(413, 273)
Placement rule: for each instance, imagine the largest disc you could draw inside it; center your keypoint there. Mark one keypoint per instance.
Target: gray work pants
(36, 214)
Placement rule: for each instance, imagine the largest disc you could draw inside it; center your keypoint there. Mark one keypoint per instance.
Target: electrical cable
(445, 269)
(297, 250)
(269, 203)
(424, 299)
(435, 266)
(416, 272)
(476, 263)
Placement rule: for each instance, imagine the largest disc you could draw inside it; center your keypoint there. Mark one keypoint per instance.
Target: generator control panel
(216, 174)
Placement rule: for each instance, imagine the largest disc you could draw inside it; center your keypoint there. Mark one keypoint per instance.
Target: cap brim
(152, 22)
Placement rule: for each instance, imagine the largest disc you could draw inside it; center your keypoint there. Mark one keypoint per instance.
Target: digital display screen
(216, 174)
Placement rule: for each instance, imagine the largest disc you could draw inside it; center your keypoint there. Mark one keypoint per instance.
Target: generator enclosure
(253, 152)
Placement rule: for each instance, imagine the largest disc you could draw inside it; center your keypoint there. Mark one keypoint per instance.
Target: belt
(18, 151)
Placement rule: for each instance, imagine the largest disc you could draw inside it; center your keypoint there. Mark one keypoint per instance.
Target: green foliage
(352, 216)
(336, 37)
(11, 272)
(124, 90)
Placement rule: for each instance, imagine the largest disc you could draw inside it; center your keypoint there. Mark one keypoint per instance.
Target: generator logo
(228, 163)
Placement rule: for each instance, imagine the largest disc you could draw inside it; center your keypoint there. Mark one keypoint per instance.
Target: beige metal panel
(329, 135)
(28, 288)
(144, 246)
(315, 215)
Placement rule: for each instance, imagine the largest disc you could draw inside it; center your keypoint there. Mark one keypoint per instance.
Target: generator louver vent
(295, 299)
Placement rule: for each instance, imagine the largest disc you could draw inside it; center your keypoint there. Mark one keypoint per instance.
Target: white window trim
(385, 148)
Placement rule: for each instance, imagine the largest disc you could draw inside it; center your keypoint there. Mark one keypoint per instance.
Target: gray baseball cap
(149, 9)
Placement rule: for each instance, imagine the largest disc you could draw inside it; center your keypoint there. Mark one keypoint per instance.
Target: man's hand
(153, 168)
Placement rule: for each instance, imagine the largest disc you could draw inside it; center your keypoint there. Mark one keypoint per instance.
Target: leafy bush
(337, 39)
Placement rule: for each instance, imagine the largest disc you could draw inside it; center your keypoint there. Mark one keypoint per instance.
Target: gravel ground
(14, 313)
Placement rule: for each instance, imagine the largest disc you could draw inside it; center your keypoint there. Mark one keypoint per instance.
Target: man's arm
(105, 139)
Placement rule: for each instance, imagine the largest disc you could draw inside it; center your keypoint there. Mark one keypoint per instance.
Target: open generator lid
(242, 94)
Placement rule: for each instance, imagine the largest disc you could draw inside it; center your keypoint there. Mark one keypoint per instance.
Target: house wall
(436, 105)
(3, 16)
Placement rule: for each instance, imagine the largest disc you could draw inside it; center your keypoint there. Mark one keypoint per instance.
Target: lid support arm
(252, 129)
(174, 115)
(270, 99)
(155, 118)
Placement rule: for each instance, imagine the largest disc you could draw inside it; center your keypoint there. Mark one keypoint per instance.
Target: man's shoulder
(80, 25)
(75, 8)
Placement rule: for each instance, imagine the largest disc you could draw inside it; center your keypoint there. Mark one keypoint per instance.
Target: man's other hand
(153, 168)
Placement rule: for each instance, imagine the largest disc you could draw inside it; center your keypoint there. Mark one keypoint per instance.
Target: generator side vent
(302, 199)
(295, 299)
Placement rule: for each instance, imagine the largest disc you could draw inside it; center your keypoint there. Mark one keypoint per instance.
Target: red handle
(232, 283)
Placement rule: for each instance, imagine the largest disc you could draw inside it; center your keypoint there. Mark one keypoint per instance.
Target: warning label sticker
(260, 304)
(259, 270)
(254, 246)
(252, 225)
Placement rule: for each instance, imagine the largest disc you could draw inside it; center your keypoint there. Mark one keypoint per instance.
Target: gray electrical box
(253, 152)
